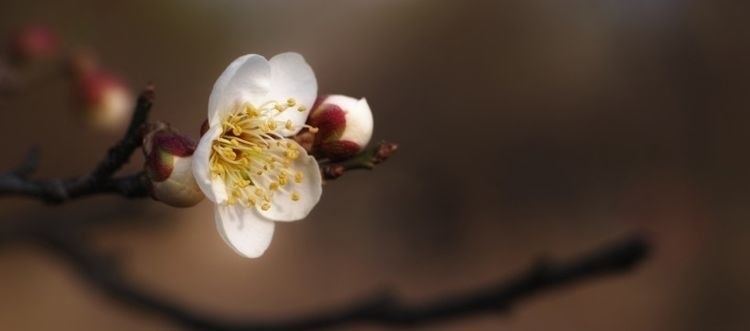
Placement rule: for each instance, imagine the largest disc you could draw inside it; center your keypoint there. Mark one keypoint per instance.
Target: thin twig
(99, 180)
(367, 160)
(379, 309)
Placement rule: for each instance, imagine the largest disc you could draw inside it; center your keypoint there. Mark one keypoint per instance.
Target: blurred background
(527, 128)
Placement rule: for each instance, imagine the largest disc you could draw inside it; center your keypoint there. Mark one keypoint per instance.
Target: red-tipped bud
(34, 43)
(106, 103)
(344, 126)
(169, 157)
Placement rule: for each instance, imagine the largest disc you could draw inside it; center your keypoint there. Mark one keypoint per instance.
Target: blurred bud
(344, 126)
(105, 102)
(34, 43)
(169, 157)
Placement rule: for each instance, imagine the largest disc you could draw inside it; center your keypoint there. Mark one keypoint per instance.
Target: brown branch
(380, 309)
(99, 180)
(370, 157)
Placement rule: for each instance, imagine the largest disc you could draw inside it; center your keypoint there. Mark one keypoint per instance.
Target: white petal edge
(292, 77)
(221, 83)
(243, 229)
(246, 79)
(213, 188)
(283, 208)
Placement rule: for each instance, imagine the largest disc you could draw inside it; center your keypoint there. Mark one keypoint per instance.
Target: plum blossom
(245, 163)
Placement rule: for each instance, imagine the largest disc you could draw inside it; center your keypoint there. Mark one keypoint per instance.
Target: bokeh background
(527, 128)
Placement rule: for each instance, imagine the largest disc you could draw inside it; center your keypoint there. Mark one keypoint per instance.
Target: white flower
(244, 163)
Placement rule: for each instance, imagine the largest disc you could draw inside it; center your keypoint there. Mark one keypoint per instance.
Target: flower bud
(344, 126)
(169, 157)
(106, 103)
(34, 43)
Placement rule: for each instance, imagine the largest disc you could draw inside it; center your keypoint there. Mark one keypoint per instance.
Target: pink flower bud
(34, 43)
(169, 157)
(106, 103)
(344, 126)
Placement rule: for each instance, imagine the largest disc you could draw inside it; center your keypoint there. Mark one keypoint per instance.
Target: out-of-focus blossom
(33, 43)
(105, 102)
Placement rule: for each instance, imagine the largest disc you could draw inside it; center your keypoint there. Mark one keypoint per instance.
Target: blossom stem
(370, 157)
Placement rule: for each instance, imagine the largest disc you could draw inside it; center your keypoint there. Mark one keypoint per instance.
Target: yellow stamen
(250, 151)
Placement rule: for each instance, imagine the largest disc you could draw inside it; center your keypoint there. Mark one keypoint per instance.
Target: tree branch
(99, 180)
(371, 156)
(381, 309)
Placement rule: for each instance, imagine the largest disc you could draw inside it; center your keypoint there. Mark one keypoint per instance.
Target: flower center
(253, 159)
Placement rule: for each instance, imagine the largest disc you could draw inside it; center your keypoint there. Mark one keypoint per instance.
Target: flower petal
(358, 123)
(243, 229)
(246, 79)
(292, 77)
(213, 188)
(283, 208)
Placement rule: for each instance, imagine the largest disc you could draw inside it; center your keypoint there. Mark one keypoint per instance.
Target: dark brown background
(527, 128)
